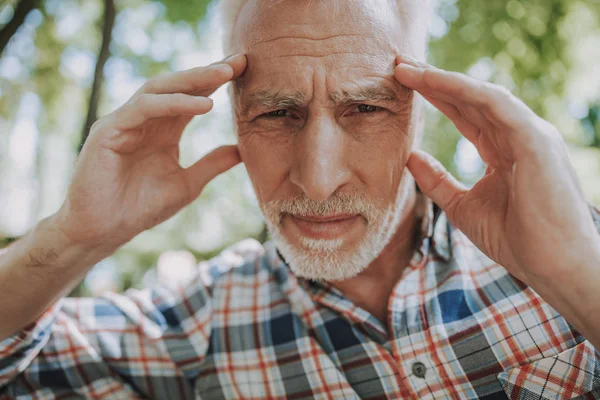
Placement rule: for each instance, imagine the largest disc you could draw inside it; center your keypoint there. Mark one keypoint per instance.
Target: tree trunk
(21, 10)
(104, 53)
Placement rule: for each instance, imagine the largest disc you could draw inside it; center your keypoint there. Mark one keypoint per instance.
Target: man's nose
(319, 166)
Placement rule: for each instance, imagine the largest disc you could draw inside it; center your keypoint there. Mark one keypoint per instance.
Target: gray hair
(230, 10)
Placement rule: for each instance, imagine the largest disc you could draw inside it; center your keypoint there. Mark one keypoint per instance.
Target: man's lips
(320, 218)
(324, 227)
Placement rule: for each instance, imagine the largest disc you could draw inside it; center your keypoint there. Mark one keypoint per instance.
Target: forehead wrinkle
(293, 37)
(328, 54)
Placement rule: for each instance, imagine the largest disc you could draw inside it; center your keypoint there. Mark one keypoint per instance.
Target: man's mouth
(325, 227)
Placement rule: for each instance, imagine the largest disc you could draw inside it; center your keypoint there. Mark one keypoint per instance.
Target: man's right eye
(277, 114)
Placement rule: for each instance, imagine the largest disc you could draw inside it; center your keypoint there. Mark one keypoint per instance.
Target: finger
(469, 130)
(436, 182)
(200, 80)
(457, 112)
(430, 80)
(238, 64)
(493, 101)
(147, 106)
(406, 59)
(208, 167)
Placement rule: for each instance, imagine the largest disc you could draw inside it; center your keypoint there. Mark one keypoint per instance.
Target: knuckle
(152, 84)
(174, 102)
(178, 99)
(553, 135)
(438, 176)
(497, 92)
(97, 125)
(428, 77)
(452, 205)
(462, 111)
(462, 92)
(142, 101)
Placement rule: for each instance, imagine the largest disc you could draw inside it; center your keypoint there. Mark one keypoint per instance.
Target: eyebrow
(279, 100)
(372, 93)
(364, 94)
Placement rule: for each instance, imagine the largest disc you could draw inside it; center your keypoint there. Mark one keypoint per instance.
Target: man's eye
(367, 109)
(277, 114)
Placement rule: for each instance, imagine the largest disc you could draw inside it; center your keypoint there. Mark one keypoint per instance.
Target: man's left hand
(527, 213)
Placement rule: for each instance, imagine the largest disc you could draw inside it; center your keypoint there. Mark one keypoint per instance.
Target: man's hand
(528, 206)
(128, 176)
(527, 213)
(127, 179)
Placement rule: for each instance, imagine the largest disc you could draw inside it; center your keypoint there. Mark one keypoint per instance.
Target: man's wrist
(577, 296)
(36, 271)
(49, 247)
(85, 249)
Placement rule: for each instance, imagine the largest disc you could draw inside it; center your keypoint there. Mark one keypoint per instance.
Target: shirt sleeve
(145, 343)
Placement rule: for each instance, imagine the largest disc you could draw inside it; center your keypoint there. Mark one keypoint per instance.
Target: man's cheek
(267, 161)
(392, 129)
(381, 142)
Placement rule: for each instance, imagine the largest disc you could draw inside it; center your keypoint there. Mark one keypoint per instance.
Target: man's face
(324, 129)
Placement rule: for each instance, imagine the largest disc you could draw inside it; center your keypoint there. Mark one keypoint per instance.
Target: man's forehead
(272, 24)
(349, 46)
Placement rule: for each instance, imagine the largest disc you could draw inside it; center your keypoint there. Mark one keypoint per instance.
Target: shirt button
(418, 369)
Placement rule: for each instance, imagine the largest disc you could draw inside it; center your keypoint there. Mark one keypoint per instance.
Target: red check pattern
(459, 327)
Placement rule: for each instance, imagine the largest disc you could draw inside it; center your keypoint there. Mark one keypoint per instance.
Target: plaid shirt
(459, 327)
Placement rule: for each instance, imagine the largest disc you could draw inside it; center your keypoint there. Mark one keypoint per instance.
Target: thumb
(436, 182)
(208, 167)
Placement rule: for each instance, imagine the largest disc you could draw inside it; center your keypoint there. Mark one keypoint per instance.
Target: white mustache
(337, 204)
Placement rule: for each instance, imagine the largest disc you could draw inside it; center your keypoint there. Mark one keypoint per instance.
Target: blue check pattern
(246, 328)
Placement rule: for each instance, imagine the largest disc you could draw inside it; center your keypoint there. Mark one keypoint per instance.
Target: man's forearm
(36, 271)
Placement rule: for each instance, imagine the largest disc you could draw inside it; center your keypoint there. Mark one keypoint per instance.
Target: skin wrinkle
(329, 54)
(409, 12)
(372, 94)
(266, 99)
(326, 154)
(307, 38)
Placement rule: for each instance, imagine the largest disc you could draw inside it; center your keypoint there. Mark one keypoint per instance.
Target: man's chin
(323, 259)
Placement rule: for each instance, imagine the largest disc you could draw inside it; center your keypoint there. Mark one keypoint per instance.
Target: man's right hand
(128, 177)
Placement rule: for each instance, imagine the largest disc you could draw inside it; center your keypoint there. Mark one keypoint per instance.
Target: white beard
(324, 260)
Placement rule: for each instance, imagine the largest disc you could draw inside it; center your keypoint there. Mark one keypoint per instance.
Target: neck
(383, 273)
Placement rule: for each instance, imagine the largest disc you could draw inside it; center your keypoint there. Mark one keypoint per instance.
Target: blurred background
(63, 63)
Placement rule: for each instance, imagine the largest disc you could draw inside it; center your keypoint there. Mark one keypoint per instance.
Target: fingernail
(230, 58)
(409, 60)
(408, 69)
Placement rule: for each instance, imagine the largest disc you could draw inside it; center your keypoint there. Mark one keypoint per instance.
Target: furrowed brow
(368, 94)
(273, 100)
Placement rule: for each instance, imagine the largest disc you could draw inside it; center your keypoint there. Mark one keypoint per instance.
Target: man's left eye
(367, 109)
(277, 114)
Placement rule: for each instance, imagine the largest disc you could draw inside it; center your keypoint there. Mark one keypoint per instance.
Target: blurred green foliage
(546, 51)
(533, 47)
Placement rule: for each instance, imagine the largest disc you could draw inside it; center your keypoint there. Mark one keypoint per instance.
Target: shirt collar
(435, 230)
(439, 232)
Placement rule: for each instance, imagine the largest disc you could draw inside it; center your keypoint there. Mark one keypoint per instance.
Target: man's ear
(418, 121)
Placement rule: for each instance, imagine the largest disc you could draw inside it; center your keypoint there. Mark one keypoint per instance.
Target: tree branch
(21, 10)
(104, 53)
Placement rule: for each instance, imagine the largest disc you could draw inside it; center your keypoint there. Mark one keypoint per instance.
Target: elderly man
(369, 289)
